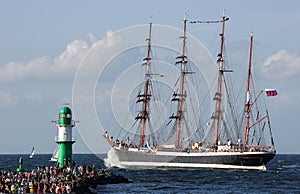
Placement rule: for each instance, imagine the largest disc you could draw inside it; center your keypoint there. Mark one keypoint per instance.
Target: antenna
(66, 104)
(185, 15)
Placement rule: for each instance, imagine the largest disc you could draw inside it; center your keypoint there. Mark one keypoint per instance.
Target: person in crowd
(52, 179)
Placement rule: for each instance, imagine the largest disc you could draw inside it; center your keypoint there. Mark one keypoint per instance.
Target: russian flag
(271, 92)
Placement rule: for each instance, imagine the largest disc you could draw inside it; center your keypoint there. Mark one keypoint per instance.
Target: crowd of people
(51, 179)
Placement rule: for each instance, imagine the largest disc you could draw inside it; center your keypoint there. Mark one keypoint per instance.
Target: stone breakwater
(77, 179)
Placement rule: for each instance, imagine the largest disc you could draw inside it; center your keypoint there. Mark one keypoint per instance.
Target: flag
(271, 92)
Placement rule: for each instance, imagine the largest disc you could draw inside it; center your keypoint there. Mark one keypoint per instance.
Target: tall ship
(235, 137)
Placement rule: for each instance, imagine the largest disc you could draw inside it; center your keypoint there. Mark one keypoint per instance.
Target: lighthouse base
(64, 153)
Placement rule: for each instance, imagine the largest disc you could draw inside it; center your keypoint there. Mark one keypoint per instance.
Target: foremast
(146, 96)
(180, 97)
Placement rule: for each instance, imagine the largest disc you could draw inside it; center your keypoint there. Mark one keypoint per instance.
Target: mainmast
(218, 95)
(248, 103)
(180, 97)
(143, 115)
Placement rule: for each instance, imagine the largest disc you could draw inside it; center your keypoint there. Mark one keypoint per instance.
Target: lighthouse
(64, 140)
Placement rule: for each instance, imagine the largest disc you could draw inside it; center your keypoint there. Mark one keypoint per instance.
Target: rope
(205, 22)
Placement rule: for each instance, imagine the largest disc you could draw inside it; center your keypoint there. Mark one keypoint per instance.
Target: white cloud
(281, 65)
(93, 38)
(15, 71)
(75, 50)
(46, 68)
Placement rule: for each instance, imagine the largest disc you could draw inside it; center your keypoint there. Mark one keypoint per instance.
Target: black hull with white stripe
(164, 158)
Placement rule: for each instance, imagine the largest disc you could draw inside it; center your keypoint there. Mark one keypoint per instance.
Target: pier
(55, 179)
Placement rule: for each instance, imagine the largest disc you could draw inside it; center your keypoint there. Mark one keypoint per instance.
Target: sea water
(282, 176)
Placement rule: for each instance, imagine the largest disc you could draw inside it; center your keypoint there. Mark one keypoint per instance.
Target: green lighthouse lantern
(65, 116)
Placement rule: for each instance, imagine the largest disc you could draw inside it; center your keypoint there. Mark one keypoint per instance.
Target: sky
(43, 45)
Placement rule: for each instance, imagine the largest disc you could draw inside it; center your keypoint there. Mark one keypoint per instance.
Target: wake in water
(112, 159)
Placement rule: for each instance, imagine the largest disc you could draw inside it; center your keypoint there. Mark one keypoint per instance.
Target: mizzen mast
(248, 103)
(146, 96)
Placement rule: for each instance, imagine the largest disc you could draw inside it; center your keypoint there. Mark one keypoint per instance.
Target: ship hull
(162, 158)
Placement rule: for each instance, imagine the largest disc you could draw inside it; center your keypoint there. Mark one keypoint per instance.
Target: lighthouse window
(69, 116)
(62, 116)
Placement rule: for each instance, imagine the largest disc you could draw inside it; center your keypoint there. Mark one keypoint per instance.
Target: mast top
(185, 16)
(251, 33)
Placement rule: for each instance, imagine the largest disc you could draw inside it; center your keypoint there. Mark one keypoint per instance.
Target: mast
(182, 74)
(248, 103)
(143, 115)
(218, 95)
(180, 97)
